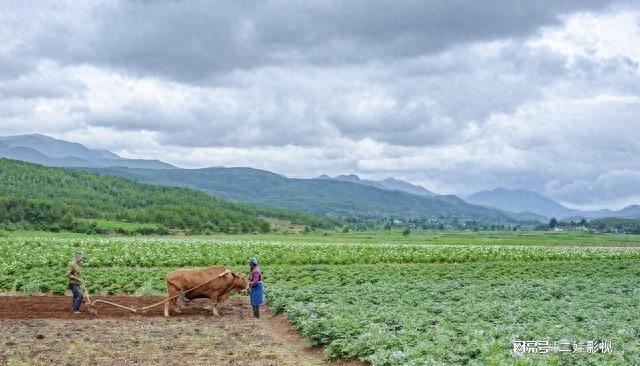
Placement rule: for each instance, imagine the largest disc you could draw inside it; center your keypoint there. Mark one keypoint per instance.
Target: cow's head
(239, 282)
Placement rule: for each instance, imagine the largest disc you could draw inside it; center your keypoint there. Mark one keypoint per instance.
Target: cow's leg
(166, 304)
(214, 303)
(172, 290)
(172, 304)
(222, 298)
(181, 301)
(177, 306)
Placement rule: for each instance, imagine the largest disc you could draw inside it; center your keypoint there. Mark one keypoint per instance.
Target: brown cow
(221, 283)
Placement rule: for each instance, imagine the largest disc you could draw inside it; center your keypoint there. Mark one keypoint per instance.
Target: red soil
(59, 307)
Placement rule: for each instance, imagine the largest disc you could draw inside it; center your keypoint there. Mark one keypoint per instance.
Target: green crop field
(430, 298)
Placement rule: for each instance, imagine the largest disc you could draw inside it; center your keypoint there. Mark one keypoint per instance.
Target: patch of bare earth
(39, 330)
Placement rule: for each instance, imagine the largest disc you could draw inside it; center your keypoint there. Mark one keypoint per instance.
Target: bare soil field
(40, 330)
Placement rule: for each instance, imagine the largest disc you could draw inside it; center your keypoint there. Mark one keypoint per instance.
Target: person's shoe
(76, 312)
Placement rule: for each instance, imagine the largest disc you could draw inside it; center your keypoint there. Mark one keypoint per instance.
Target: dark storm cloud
(195, 40)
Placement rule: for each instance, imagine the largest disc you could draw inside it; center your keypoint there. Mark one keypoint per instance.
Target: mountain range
(389, 184)
(520, 200)
(345, 196)
(341, 196)
(48, 151)
(332, 197)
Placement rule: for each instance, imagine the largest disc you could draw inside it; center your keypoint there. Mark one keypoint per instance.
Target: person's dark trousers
(77, 296)
(256, 311)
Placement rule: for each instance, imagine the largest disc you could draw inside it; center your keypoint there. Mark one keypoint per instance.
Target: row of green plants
(25, 253)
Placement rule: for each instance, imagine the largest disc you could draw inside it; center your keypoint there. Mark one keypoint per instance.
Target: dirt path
(39, 330)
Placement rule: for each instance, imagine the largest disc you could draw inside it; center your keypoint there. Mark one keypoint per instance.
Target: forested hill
(38, 197)
(332, 197)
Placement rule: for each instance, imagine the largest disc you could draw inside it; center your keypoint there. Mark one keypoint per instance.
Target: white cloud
(595, 35)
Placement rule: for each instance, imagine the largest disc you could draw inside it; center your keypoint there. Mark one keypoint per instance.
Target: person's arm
(71, 273)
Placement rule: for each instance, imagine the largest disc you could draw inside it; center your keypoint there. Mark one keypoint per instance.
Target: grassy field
(429, 298)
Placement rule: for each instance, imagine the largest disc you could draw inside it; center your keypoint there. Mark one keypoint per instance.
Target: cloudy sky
(455, 95)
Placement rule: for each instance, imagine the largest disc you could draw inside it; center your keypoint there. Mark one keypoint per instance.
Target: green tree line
(614, 224)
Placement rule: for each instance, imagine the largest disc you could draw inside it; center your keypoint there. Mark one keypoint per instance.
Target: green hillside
(44, 198)
(318, 196)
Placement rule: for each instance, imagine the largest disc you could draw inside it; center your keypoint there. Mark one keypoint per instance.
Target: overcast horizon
(455, 96)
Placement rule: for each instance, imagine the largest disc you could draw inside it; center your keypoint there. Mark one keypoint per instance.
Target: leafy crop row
(26, 253)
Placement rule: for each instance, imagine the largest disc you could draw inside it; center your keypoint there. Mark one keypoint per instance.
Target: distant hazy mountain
(334, 197)
(46, 150)
(629, 211)
(389, 184)
(518, 200)
(521, 201)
